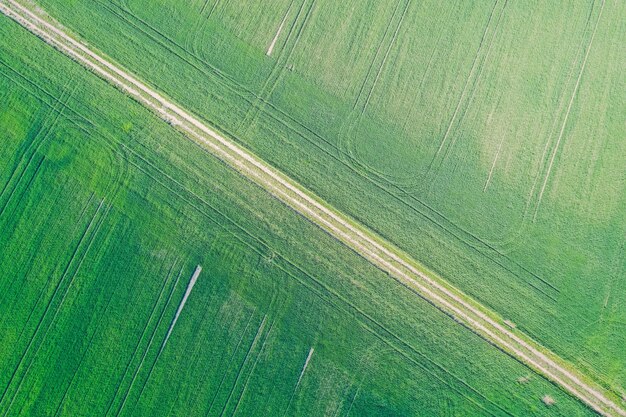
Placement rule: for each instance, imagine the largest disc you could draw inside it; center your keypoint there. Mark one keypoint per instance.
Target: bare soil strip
(192, 282)
(376, 250)
(280, 29)
(295, 388)
(306, 364)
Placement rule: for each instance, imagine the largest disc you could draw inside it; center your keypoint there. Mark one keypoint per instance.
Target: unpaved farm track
(376, 250)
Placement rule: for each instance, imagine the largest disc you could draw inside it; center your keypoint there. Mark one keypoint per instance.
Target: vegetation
(489, 177)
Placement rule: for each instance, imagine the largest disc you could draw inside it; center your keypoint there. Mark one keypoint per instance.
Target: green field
(485, 139)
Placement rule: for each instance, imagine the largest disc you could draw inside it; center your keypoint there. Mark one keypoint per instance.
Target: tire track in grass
(470, 82)
(376, 250)
(42, 291)
(356, 105)
(40, 321)
(54, 100)
(191, 39)
(87, 239)
(287, 50)
(426, 73)
(146, 29)
(531, 197)
(24, 338)
(206, 2)
(147, 349)
(59, 408)
(348, 130)
(371, 356)
(21, 193)
(229, 363)
(567, 112)
(256, 360)
(143, 333)
(493, 163)
(246, 359)
(476, 82)
(356, 394)
(382, 64)
(190, 286)
(34, 146)
(86, 350)
(58, 309)
(5, 94)
(253, 344)
(341, 399)
(468, 78)
(26, 147)
(199, 348)
(618, 270)
(223, 6)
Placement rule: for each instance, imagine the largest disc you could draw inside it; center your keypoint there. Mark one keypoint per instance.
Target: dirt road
(376, 250)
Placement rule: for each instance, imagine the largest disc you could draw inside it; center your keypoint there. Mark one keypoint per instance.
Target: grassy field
(498, 125)
(106, 211)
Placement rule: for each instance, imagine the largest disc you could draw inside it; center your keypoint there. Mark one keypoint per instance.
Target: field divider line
(379, 252)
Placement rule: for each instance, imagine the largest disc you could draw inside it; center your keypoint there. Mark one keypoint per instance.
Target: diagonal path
(357, 237)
